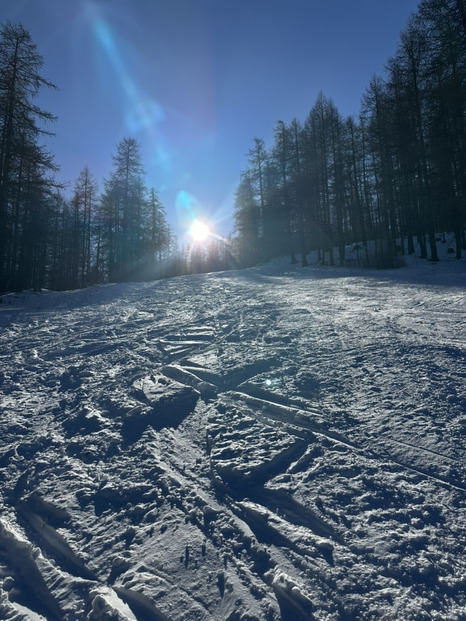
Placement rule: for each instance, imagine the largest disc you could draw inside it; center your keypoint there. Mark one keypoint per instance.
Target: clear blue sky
(196, 80)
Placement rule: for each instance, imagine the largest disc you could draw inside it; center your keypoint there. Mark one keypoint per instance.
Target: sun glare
(199, 231)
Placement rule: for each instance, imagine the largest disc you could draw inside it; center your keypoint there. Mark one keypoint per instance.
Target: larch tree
(282, 155)
(158, 236)
(376, 111)
(318, 166)
(26, 168)
(445, 85)
(84, 203)
(295, 131)
(258, 160)
(123, 213)
(247, 221)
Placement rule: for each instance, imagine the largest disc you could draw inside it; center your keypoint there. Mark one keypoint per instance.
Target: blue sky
(196, 80)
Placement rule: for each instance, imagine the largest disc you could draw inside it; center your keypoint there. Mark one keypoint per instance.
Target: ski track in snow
(272, 443)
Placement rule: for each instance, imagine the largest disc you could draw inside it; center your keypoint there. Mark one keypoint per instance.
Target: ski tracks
(317, 450)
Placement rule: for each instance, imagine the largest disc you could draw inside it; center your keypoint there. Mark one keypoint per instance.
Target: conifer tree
(84, 202)
(123, 213)
(26, 168)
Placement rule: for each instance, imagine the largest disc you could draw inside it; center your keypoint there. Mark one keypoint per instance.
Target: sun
(199, 231)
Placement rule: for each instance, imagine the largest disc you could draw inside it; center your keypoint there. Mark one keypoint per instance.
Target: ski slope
(271, 443)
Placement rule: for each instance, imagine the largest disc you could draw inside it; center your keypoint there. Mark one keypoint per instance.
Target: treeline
(46, 239)
(395, 175)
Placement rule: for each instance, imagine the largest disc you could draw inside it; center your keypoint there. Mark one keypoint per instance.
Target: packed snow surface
(271, 443)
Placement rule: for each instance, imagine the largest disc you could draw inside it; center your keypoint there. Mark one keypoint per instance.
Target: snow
(262, 444)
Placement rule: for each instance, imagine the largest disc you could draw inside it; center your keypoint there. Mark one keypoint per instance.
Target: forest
(393, 177)
(49, 240)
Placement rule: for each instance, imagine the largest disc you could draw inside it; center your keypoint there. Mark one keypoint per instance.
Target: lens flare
(143, 114)
(199, 231)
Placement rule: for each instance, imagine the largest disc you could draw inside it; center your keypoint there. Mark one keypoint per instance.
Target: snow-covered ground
(272, 443)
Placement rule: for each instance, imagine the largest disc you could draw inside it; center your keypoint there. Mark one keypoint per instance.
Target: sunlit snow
(272, 443)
